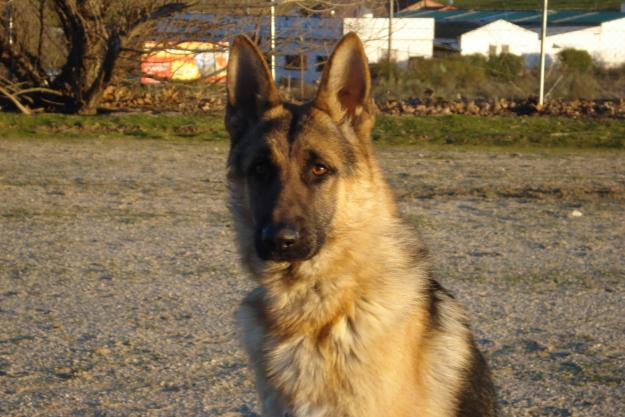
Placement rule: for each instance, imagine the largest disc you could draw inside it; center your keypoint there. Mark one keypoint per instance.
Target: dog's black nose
(279, 238)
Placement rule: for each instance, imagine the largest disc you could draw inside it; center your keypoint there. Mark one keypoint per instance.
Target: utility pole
(273, 39)
(390, 27)
(10, 12)
(543, 35)
(301, 67)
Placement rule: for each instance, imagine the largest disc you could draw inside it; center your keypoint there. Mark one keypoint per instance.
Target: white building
(410, 37)
(605, 43)
(304, 44)
(499, 37)
(487, 32)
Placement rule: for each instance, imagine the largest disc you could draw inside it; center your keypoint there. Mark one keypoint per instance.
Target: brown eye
(319, 169)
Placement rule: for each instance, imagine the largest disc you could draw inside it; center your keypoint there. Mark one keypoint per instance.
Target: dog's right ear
(250, 87)
(345, 88)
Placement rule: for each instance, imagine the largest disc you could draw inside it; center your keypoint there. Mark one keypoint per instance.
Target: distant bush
(577, 85)
(449, 72)
(504, 67)
(384, 69)
(576, 60)
(504, 76)
(614, 73)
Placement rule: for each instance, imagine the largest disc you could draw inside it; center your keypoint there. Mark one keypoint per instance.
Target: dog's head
(286, 161)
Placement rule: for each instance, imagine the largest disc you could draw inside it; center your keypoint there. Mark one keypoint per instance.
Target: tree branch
(25, 110)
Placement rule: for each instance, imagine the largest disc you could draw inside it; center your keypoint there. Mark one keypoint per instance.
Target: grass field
(518, 132)
(537, 4)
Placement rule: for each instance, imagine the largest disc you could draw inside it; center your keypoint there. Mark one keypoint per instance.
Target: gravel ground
(119, 278)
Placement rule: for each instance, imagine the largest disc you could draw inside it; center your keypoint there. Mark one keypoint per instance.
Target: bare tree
(64, 53)
(89, 34)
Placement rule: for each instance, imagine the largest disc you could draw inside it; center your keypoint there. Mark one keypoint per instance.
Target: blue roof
(521, 18)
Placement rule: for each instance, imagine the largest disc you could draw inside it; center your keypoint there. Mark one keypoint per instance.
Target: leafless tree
(88, 34)
(62, 54)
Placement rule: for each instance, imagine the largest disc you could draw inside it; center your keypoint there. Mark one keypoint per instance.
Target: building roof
(424, 4)
(521, 18)
(501, 23)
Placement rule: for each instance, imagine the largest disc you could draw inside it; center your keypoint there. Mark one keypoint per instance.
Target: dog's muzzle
(284, 242)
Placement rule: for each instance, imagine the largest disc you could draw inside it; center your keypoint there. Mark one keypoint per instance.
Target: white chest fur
(352, 368)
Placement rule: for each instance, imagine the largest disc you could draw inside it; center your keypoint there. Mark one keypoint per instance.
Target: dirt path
(118, 276)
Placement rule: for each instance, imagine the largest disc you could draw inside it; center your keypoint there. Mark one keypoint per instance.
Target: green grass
(521, 132)
(456, 130)
(111, 126)
(537, 4)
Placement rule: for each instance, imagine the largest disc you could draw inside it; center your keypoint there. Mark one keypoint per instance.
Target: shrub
(384, 69)
(476, 76)
(576, 85)
(576, 60)
(504, 67)
(616, 73)
(448, 72)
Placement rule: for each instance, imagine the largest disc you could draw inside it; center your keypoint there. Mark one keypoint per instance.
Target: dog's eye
(260, 169)
(319, 170)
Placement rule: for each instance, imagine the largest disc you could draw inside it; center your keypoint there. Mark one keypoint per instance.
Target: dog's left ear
(251, 90)
(345, 89)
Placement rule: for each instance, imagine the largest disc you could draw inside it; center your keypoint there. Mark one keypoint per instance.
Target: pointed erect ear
(251, 90)
(345, 90)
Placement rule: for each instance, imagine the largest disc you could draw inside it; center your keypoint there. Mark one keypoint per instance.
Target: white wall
(613, 41)
(605, 43)
(411, 37)
(588, 39)
(500, 34)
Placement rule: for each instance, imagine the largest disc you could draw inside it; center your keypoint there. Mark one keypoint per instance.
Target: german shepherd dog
(346, 320)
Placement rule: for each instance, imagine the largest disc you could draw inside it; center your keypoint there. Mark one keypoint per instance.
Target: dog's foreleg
(249, 318)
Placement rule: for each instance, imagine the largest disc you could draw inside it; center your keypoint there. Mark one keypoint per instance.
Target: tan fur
(348, 333)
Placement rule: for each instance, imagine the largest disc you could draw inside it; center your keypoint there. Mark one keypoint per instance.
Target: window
(492, 49)
(295, 62)
(320, 62)
(505, 49)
